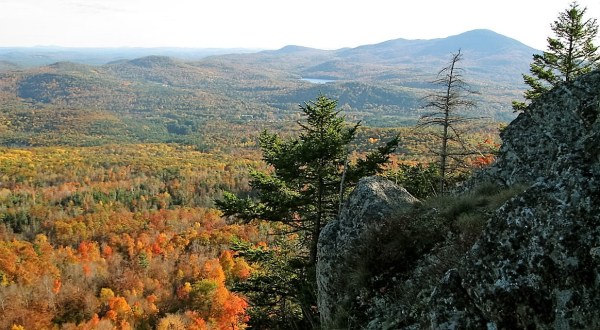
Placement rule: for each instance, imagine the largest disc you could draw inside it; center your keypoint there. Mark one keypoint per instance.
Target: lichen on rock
(532, 267)
(371, 206)
(535, 265)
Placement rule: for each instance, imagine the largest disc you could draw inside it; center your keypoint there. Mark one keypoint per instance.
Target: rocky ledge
(536, 263)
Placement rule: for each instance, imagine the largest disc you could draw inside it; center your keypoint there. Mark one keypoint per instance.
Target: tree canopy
(571, 52)
(311, 173)
(310, 176)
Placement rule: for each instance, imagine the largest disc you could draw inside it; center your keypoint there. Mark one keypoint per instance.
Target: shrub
(441, 227)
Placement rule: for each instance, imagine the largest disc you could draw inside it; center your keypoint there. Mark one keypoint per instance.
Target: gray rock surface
(537, 262)
(370, 206)
(559, 127)
(536, 265)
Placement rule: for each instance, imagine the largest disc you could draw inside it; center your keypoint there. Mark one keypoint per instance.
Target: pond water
(317, 80)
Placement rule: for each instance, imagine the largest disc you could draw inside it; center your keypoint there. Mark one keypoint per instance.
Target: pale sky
(269, 24)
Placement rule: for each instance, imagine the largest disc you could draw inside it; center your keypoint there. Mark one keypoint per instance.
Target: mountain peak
(481, 45)
(294, 49)
(483, 40)
(482, 32)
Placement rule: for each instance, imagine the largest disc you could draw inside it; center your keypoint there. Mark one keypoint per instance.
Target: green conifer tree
(570, 53)
(305, 187)
(310, 176)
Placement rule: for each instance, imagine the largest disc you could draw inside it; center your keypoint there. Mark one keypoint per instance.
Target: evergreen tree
(570, 53)
(310, 176)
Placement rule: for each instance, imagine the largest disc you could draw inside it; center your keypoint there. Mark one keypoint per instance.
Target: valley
(111, 162)
(168, 99)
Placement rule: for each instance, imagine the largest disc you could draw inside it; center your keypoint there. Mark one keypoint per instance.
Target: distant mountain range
(481, 47)
(43, 55)
(382, 84)
(487, 55)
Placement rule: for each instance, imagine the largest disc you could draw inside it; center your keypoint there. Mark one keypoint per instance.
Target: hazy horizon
(266, 24)
(184, 48)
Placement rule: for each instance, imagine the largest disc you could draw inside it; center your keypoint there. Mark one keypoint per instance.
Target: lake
(317, 80)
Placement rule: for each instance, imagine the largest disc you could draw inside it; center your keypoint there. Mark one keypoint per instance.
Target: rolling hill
(158, 97)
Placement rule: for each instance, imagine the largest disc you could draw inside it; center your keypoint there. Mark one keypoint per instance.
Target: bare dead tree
(446, 106)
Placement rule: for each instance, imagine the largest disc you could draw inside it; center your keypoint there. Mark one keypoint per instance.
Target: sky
(270, 24)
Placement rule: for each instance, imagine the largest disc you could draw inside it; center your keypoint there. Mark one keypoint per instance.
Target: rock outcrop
(372, 205)
(536, 264)
(555, 131)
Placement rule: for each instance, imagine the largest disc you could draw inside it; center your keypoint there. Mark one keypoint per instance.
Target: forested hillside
(120, 236)
(382, 84)
(109, 172)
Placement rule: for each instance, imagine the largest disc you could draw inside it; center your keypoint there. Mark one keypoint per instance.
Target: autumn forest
(109, 176)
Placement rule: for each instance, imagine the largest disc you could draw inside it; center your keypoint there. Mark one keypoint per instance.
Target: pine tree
(570, 53)
(310, 176)
(303, 191)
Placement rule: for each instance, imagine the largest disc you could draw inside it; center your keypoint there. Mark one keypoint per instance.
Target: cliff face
(536, 264)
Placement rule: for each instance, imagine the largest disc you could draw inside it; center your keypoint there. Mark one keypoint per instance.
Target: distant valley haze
(177, 90)
(480, 40)
(157, 72)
